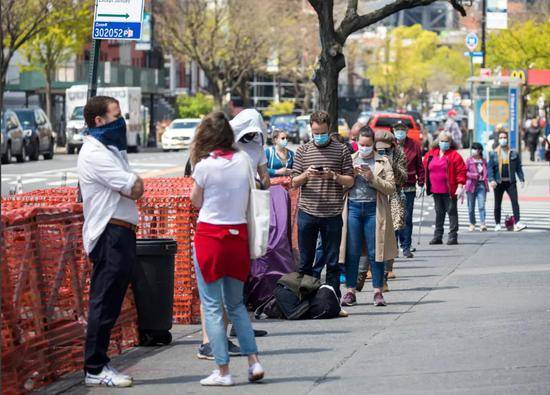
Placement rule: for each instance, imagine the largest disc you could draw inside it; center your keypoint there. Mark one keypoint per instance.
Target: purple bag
(266, 271)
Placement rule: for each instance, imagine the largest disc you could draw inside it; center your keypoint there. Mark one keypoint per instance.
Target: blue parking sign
(118, 19)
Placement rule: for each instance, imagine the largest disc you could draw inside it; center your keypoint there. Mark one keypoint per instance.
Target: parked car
(364, 117)
(288, 123)
(13, 138)
(40, 137)
(179, 133)
(75, 130)
(304, 128)
(343, 128)
(385, 121)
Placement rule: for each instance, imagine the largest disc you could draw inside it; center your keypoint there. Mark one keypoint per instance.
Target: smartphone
(365, 166)
(319, 168)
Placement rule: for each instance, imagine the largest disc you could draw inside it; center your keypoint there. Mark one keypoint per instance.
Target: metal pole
(483, 33)
(421, 218)
(94, 62)
(471, 137)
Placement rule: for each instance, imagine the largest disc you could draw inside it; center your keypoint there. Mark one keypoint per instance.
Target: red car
(385, 121)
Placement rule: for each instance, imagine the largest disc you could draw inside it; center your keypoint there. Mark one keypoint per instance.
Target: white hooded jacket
(250, 121)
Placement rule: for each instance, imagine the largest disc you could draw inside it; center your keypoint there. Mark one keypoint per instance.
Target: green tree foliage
(194, 106)
(523, 46)
(57, 43)
(284, 107)
(412, 62)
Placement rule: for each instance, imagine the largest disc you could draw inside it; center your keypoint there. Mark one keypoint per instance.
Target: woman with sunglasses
(279, 158)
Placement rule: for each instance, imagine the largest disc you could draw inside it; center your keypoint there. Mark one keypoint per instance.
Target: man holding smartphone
(322, 169)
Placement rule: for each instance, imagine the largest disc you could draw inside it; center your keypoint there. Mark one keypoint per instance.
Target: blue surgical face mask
(444, 145)
(503, 142)
(400, 135)
(365, 151)
(321, 139)
(283, 143)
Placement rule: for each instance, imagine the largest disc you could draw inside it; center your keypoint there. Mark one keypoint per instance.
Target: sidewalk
(471, 318)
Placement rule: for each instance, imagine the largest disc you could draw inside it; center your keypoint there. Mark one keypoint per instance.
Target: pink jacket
(473, 175)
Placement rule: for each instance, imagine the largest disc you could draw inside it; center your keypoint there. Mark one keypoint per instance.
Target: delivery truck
(129, 99)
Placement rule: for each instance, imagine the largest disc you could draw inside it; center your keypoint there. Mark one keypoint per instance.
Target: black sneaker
(234, 350)
(408, 254)
(452, 242)
(257, 333)
(205, 352)
(436, 241)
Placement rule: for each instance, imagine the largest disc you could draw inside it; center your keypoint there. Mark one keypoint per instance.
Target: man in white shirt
(109, 189)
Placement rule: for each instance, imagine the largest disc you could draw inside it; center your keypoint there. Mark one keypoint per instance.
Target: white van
(129, 99)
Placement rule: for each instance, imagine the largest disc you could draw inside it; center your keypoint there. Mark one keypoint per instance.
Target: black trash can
(153, 286)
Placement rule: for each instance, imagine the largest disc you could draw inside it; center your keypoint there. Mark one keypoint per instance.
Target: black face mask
(247, 138)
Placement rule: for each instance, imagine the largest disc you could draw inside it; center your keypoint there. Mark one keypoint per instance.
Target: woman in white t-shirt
(221, 191)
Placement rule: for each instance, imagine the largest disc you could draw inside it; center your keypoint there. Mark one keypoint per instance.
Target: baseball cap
(383, 140)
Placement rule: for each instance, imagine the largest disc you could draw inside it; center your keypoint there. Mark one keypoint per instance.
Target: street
(471, 318)
(48, 174)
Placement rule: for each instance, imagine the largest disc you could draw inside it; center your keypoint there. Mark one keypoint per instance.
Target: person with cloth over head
(109, 189)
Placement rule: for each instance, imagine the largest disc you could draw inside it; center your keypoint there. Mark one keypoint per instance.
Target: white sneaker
(114, 371)
(519, 227)
(472, 228)
(483, 228)
(498, 228)
(255, 373)
(215, 379)
(108, 377)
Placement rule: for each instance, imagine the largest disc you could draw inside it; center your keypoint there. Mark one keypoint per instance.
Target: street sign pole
(483, 31)
(94, 63)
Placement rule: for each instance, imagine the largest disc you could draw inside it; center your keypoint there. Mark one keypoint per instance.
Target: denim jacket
(493, 172)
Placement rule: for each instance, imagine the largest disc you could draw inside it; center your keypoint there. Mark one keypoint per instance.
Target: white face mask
(365, 151)
(503, 142)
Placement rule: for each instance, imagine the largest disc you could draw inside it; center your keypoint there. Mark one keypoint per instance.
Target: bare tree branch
(353, 22)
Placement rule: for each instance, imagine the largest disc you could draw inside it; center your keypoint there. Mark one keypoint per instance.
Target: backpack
(509, 222)
(269, 309)
(325, 304)
(289, 303)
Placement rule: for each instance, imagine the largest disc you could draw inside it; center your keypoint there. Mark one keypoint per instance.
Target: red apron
(222, 251)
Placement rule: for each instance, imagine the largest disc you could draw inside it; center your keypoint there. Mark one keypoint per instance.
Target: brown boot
(361, 280)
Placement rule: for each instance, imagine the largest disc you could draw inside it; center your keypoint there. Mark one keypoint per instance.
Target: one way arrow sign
(118, 19)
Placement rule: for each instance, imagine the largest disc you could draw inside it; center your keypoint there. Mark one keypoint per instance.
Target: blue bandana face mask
(321, 139)
(113, 133)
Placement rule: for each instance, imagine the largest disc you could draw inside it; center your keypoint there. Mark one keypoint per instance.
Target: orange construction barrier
(45, 284)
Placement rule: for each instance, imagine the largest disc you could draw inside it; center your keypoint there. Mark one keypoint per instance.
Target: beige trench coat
(383, 182)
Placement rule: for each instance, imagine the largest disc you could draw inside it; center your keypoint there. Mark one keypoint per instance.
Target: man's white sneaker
(110, 367)
(472, 228)
(255, 373)
(519, 227)
(498, 228)
(108, 377)
(215, 379)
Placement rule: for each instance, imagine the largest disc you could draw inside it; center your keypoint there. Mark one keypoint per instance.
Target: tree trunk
(49, 95)
(2, 89)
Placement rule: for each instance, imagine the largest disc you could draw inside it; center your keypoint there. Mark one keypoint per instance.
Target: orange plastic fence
(165, 212)
(45, 283)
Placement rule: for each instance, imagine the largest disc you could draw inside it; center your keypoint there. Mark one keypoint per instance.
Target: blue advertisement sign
(513, 103)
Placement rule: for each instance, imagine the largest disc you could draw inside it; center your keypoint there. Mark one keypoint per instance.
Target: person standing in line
(109, 189)
(390, 148)
(322, 169)
(477, 186)
(279, 158)
(532, 134)
(222, 259)
(445, 178)
(415, 175)
(369, 218)
(504, 165)
(451, 126)
(354, 135)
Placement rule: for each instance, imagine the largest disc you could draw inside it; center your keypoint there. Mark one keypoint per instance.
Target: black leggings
(512, 191)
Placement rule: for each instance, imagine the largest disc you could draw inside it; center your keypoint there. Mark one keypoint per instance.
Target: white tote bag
(257, 218)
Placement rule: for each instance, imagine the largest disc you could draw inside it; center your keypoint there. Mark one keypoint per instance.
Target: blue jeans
(479, 195)
(405, 234)
(362, 228)
(330, 229)
(229, 292)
